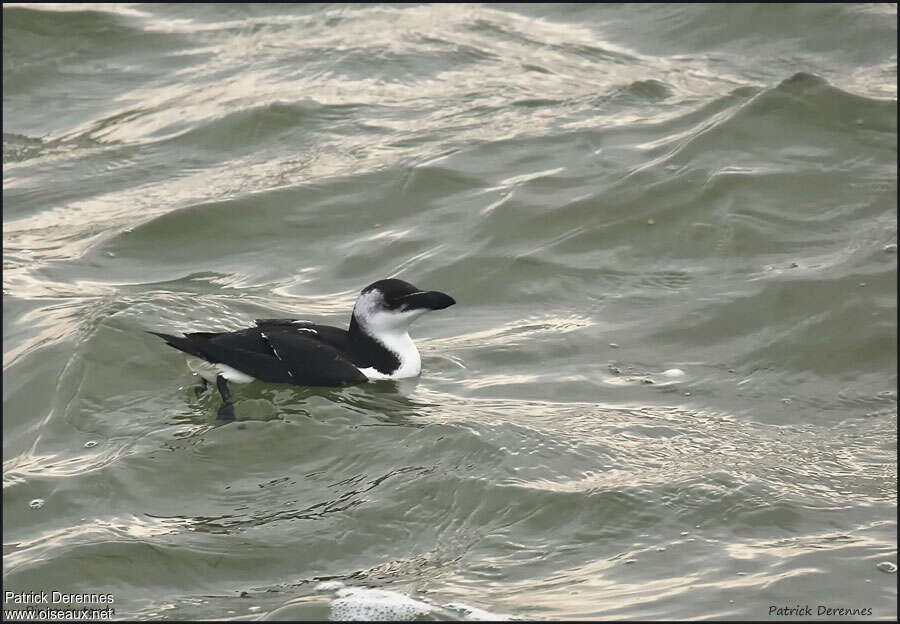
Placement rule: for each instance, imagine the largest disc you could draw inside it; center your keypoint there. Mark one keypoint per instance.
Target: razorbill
(376, 346)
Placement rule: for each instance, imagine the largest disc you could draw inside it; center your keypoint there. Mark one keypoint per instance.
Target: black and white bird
(376, 346)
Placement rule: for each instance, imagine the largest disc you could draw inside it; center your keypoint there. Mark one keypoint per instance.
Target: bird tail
(167, 337)
(180, 343)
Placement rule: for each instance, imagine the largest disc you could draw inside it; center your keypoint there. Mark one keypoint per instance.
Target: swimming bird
(292, 351)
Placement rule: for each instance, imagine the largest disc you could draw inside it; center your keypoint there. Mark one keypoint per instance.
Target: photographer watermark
(818, 611)
(57, 605)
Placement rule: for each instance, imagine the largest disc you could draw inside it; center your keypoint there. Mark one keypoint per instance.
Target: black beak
(431, 300)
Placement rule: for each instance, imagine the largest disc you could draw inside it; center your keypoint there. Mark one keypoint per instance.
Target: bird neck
(397, 342)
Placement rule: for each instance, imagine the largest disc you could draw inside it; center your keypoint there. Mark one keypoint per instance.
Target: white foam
(359, 604)
(476, 614)
(355, 604)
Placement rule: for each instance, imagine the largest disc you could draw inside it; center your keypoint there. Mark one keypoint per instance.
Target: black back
(288, 351)
(355, 345)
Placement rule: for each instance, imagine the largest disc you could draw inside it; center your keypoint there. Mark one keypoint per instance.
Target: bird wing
(278, 354)
(287, 322)
(311, 361)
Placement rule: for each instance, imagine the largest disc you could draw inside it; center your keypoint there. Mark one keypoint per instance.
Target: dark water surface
(610, 192)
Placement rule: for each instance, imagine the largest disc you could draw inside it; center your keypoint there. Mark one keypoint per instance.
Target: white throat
(401, 345)
(391, 330)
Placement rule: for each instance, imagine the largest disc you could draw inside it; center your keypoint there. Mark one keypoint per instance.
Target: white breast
(405, 349)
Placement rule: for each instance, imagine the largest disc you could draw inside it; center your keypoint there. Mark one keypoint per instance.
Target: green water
(608, 191)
